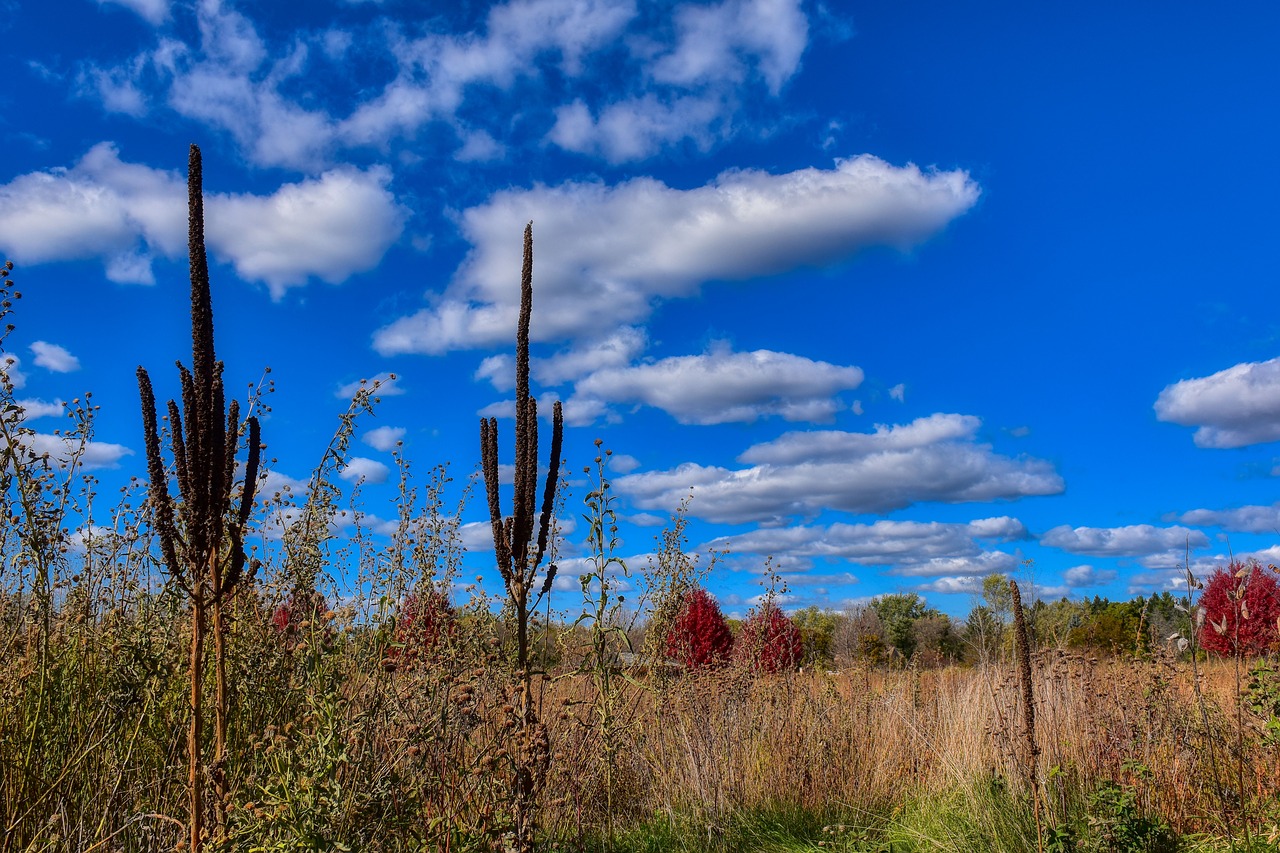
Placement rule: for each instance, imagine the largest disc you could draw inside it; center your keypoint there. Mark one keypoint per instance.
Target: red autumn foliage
(299, 608)
(1241, 606)
(425, 619)
(699, 637)
(770, 641)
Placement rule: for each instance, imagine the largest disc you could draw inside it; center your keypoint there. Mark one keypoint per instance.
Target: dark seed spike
(215, 440)
(250, 491)
(191, 432)
(229, 443)
(523, 499)
(489, 466)
(553, 480)
(179, 449)
(201, 302)
(161, 505)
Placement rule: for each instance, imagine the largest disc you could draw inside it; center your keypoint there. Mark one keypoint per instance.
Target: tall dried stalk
(193, 534)
(519, 555)
(1023, 650)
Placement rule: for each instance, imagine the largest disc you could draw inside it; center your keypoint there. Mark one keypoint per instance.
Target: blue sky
(905, 293)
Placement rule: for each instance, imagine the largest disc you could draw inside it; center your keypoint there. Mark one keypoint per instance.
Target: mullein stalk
(195, 533)
(519, 554)
(1023, 653)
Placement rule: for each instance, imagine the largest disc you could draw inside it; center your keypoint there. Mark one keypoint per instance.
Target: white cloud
(715, 42)
(1078, 576)
(966, 584)
(1245, 519)
(802, 473)
(898, 392)
(1232, 408)
(32, 409)
(614, 350)
(61, 451)
(384, 438)
(615, 251)
(361, 469)
(1136, 540)
(53, 357)
(638, 128)
(436, 70)
(155, 12)
(911, 548)
(330, 228)
(125, 214)
(479, 147)
(621, 463)
(722, 386)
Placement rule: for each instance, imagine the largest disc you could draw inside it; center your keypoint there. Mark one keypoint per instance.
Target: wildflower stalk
(519, 554)
(1023, 650)
(201, 539)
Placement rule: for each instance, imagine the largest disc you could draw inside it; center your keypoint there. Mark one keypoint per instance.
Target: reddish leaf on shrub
(425, 619)
(1241, 605)
(699, 637)
(770, 641)
(299, 608)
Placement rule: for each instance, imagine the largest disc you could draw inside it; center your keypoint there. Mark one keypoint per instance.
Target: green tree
(898, 613)
(817, 632)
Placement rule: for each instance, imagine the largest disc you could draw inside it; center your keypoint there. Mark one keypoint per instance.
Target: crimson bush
(770, 641)
(699, 637)
(425, 619)
(1241, 606)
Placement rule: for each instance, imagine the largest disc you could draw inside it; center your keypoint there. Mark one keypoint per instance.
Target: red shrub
(299, 608)
(699, 637)
(425, 619)
(1241, 606)
(770, 641)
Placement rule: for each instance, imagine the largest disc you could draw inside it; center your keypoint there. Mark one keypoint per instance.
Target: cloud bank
(615, 251)
(126, 215)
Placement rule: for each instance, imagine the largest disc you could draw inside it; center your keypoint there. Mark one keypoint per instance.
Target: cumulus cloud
(1136, 540)
(53, 357)
(615, 251)
(911, 548)
(638, 128)
(1244, 519)
(722, 386)
(60, 451)
(1232, 408)
(801, 473)
(966, 584)
(32, 409)
(384, 438)
(361, 469)
(723, 41)
(1078, 576)
(126, 215)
